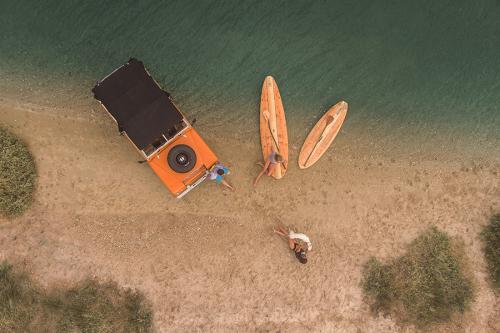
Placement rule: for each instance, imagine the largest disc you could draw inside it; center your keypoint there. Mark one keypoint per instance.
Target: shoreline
(371, 141)
(99, 212)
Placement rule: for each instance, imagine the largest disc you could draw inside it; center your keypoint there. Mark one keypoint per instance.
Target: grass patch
(87, 307)
(424, 286)
(17, 175)
(18, 301)
(491, 239)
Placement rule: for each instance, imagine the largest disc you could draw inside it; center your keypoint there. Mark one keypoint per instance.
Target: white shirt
(302, 237)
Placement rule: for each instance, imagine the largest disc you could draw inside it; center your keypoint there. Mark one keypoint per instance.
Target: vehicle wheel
(181, 158)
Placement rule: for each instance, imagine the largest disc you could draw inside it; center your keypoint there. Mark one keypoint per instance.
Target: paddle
(329, 121)
(266, 117)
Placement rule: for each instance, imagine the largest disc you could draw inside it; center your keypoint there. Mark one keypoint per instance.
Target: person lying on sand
(299, 243)
(218, 172)
(271, 164)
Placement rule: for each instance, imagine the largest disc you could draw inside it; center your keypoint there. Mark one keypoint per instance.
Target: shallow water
(413, 69)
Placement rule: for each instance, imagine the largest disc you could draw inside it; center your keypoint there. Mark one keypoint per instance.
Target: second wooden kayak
(322, 135)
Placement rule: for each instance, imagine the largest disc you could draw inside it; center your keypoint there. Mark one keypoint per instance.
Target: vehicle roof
(140, 107)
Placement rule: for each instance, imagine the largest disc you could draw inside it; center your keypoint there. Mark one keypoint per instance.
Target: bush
(17, 175)
(18, 300)
(378, 280)
(88, 307)
(424, 286)
(491, 240)
(94, 307)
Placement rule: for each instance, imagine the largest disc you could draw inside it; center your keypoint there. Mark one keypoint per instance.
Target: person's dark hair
(220, 172)
(301, 256)
(278, 158)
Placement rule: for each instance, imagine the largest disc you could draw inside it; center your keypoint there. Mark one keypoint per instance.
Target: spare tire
(181, 158)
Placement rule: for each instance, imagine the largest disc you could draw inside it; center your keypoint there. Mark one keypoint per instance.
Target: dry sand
(209, 262)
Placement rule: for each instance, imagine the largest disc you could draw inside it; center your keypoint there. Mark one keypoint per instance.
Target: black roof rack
(140, 107)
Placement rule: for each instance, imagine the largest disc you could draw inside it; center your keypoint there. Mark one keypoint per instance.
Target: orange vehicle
(146, 115)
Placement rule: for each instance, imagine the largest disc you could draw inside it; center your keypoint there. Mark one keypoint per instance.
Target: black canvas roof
(142, 109)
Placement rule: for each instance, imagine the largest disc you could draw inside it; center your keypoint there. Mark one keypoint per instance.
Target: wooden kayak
(273, 132)
(322, 135)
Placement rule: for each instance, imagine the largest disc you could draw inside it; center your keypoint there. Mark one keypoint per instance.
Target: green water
(418, 68)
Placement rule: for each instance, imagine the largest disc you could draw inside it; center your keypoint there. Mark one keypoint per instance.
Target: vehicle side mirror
(193, 121)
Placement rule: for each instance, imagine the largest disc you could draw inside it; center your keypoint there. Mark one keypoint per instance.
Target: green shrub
(88, 307)
(18, 300)
(377, 283)
(17, 175)
(491, 239)
(424, 286)
(95, 307)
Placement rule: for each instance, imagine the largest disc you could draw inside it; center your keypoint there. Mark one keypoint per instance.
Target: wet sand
(210, 262)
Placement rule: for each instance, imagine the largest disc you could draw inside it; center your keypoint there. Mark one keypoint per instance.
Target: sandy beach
(210, 262)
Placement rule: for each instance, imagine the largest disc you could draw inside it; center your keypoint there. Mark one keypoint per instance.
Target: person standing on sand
(218, 172)
(299, 243)
(271, 164)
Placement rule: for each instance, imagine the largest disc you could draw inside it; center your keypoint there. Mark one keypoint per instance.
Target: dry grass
(426, 285)
(88, 307)
(491, 239)
(19, 301)
(17, 175)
